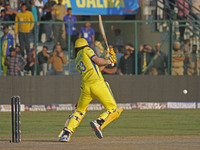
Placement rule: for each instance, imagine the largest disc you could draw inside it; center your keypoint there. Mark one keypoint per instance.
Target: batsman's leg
(103, 120)
(76, 117)
(68, 130)
(111, 117)
(66, 123)
(105, 96)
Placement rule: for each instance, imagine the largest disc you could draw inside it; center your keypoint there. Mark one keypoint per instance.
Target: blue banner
(102, 7)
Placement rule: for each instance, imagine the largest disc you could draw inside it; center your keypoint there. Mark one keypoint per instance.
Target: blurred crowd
(186, 10)
(20, 58)
(26, 33)
(185, 60)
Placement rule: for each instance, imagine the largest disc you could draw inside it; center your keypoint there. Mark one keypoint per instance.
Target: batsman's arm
(101, 62)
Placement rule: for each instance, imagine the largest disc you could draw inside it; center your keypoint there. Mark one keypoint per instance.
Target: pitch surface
(108, 143)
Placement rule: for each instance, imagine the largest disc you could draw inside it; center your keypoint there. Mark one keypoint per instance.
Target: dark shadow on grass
(45, 141)
(5, 140)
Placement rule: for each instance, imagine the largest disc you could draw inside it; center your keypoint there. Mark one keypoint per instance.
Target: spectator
(98, 45)
(1, 7)
(126, 63)
(10, 13)
(177, 60)
(7, 41)
(146, 56)
(4, 17)
(40, 5)
(30, 66)
(48, 8)
(87, 32)
(17, 49)
(57, 60)
(43, 59)
(130, 47)
(59, 11)
(14, 5)
(183, 12)
(193, 62)
(186, 50)
(28, 4)
(73, 34)
(160, 62)
(14, 62)
(35, 13)
(118, 41)
(186, 46)
(119, 54)
(24, 29)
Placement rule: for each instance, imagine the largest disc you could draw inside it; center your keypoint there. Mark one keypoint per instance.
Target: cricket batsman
(93, 86)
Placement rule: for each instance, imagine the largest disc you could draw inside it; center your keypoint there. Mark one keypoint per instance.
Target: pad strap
(79, 112)
(75, 117)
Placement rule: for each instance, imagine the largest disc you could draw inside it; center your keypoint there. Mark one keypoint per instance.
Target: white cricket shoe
(66, 136)
(96, 127)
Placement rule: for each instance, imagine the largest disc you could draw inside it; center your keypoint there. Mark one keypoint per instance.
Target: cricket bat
(103, 33)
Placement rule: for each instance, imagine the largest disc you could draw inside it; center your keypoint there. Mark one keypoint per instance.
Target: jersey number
(81, 67)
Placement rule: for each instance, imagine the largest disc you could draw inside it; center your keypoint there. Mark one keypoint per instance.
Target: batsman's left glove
(113, 59)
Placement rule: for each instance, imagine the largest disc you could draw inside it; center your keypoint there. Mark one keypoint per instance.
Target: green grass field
(131, 123)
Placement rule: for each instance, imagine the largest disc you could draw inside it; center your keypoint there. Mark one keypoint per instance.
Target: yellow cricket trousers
(99, 90)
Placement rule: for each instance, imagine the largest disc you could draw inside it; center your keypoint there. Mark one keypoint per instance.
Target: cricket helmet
(80, 43)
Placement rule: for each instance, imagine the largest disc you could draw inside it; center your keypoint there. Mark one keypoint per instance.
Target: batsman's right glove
(107, 54)
(112, 53)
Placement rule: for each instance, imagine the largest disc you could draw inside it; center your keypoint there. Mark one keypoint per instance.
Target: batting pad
(111, 117)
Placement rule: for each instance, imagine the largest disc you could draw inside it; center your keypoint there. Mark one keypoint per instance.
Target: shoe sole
(96, 130)
(63, 140)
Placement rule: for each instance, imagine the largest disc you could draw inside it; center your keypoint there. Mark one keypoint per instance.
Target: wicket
(16, 119)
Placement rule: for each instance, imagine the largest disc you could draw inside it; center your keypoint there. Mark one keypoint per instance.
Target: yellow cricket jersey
(24, 27)
(88, 70)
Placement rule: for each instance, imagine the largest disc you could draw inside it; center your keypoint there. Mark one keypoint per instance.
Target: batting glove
(113, 59)
(107, 53)
(112, 53)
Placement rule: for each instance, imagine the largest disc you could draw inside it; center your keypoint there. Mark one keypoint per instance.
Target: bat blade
(102, 31)
(103, 34)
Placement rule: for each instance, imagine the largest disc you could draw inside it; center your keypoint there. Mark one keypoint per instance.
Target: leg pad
(111, 117)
